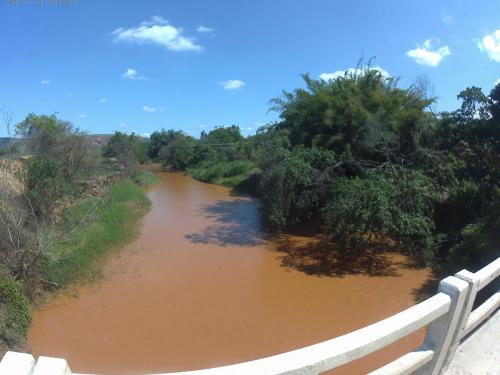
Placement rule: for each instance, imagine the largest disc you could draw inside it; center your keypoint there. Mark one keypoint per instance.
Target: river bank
(88, 231)
(202, 286)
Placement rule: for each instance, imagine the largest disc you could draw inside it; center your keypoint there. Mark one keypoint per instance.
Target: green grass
(110, 222)
(144, 178)
(223, 173)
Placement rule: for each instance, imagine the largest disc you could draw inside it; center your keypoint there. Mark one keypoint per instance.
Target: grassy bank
(109, 222)
(93, 227)
(144, 178)
(232, 174)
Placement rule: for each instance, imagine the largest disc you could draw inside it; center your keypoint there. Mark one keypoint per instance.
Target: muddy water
(201, 287)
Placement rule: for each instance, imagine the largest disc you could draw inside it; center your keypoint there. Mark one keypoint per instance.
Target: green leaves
(342, 114)
(15, 313)
(383, 209)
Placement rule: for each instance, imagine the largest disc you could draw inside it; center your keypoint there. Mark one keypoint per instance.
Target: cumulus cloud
(491, 45)
(497, 82)
(424, 54)
(122, 125)
(232, 84)
(82, 115)
(351, 71)
(146, 134)
(203, 29)
(131, 74)
(103, 100)
(46, 82)
(147, 108)
(157, 31)
(446, 18)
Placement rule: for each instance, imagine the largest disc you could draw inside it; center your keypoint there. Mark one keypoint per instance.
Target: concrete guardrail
(449, 315)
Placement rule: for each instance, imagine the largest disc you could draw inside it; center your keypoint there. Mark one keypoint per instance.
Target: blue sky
(144, 65)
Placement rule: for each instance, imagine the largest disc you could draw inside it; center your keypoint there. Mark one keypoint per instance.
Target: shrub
(14, 311)
(382, 208)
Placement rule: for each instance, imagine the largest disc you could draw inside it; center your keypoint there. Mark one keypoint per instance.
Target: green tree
(386, 207)
(363, 114)
(59, 158)
(129, 150)
(179, 152)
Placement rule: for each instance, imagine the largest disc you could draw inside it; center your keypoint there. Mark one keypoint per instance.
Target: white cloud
(82, 115)
(248, 128)
(446, 17)
(202, 126)
(497, 82)
(158, 31)
(122, 125)
(46, 82)
(146, 134)
(424, 55)
(103, 100)
(203, 29)
(232, 84)
(146, 108)
(351, 71)
(132, 74)
(491, 45)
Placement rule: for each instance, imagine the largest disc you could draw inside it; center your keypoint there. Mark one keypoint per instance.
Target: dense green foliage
(383, 205)
(219, 156)
(128, 150)
(369, 164)
(59, 157)
(14, 312)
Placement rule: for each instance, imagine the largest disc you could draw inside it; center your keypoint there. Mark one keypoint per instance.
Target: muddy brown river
(201, 286)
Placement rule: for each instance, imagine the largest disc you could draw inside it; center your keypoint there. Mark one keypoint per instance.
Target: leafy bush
(45, 186)
(128, 150)
(383, 209)
(180, 152)
(15, 313)
(292, 184)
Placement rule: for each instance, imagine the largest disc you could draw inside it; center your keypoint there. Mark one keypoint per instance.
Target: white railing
(448, 313)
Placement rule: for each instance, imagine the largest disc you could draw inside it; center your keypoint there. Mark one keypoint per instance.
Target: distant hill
(99, 140)
(4, 141)
(96, 140)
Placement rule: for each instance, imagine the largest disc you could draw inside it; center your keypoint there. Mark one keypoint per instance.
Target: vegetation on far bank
(370, 165)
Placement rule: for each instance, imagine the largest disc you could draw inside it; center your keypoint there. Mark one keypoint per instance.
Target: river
(202, 286)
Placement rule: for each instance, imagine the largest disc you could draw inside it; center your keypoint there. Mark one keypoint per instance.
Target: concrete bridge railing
(449, 315)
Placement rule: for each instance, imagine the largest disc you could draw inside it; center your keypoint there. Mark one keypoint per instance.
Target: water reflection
(236, 222)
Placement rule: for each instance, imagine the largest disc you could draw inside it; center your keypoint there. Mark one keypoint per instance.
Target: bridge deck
(480, 352)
